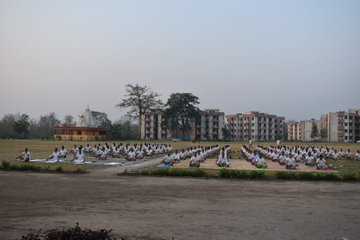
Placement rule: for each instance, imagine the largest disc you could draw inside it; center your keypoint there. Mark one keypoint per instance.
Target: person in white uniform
(80, 156)
(62, 152)
(54, 157)
(24, 156)
(222, 160)
(195, 161)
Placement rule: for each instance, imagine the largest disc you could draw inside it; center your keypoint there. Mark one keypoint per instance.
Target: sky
(296, 59)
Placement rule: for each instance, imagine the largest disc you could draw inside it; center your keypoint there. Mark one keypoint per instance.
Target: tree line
(20, 126)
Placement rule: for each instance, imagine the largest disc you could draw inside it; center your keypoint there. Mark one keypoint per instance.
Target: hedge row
(7, 166)
(256, 174)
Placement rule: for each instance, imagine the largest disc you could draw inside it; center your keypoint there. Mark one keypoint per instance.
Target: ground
(139, 207)
(179, 208)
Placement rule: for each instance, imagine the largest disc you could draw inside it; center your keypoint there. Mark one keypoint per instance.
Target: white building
(342, 126)
(255, 126)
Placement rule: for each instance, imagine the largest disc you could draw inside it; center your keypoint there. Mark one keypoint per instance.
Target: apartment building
(342, 126)
(294, 131)
(153, 127)
(301, 131)
(208, 127)
(255, 126)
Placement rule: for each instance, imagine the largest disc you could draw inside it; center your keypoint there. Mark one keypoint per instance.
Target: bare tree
(140, 99)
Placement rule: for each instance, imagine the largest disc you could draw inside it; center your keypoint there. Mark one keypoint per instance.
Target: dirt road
(179, 208)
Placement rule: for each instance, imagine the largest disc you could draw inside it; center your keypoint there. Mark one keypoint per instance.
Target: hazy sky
(297, 59)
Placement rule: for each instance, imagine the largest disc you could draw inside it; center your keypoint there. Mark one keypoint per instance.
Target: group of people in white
(102, 152)
(290, 157)
(199, 154)
(129, 152)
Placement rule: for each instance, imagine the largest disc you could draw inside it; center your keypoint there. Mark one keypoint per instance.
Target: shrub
(74, 233)
(59, 169)
(5, 165)
(286, 175)
(349, 177)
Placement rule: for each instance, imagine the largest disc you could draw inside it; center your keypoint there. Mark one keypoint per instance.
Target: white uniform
(54, 157)
(80, 157)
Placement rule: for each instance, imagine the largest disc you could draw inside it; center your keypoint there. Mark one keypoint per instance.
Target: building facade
(86, 129)
(208, 127)
(153, 127)
(255, 126)
(294, 131)
(301, 131)
(342, 126)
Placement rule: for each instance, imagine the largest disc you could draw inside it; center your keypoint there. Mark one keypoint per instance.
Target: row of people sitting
(196, 154)
(292, 158)
(128, 151)
(55, 156)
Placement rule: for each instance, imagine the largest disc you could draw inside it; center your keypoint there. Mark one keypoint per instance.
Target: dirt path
(179, 208)
(114, 170)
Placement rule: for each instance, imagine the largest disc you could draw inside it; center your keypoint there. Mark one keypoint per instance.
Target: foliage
(123, 129)
(68, 120)
(21, 125)
(102, 120)
(323, 133)
(314, 131)
(175, 172)
(72, 233)
(181, 109)
(140, 99)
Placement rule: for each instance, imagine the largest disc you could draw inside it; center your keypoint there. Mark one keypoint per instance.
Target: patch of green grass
(250, 174)
(59, 168)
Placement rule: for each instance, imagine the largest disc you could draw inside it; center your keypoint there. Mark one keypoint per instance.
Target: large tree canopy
(180, 110)
(140, 99)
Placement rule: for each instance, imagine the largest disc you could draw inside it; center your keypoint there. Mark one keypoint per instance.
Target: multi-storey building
(294, 131)
(255, 126)
(342, 126)
(153, 126)
(301, 131)
(208, 127)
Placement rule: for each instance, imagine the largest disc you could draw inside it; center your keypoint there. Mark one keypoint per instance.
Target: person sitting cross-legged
(54, 157)
(260, 162)
(195, 160)
(291, 163)
(321, 163)
(222, 160)
(24, 156)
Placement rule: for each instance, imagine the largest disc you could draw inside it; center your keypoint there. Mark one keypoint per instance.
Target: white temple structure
(86, 119)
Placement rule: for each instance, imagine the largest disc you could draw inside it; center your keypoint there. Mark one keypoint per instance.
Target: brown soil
(179, 208)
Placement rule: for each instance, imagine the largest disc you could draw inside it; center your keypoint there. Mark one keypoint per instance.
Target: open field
(9, 149)
(179, 208)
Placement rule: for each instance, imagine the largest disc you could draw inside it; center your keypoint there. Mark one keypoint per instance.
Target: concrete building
(294, 131)
(255, 126)
(87, 129)
(209, 126)
(342, 126)
(153, 127)
(301, 131)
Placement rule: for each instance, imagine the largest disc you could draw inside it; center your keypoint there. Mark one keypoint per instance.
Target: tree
(7, 126)
(102, 120)
(68, 120)
(180, 111)
(314, 131)
(46, 124)
(226, 134)
(323, 133)
(140, 99)
(21, 126)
